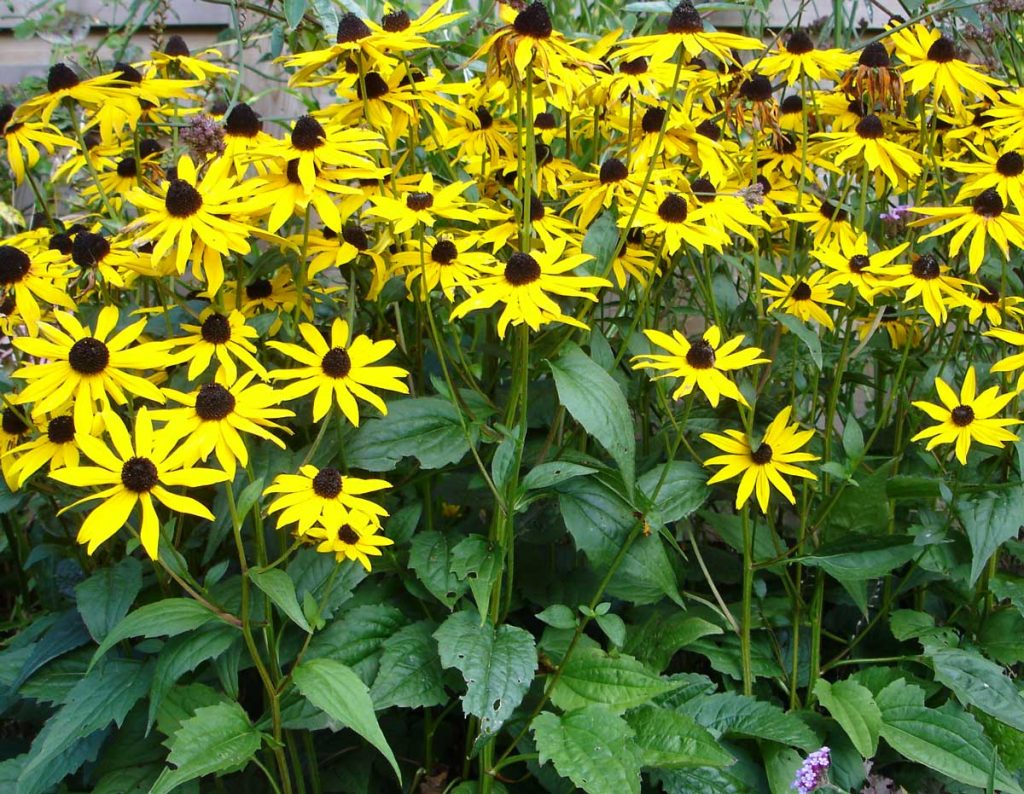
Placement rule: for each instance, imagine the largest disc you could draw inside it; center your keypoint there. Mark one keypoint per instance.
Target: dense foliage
(625, 410)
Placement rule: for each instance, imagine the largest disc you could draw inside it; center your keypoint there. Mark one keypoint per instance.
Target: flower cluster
(813, 772)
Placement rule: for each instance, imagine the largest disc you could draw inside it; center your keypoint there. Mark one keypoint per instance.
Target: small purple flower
(813, 771)
(204, 136)
(896, 215)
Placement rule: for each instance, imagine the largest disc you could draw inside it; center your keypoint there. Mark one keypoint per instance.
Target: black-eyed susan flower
(762, 467)
(135, 474)
(867, 143)
(290, 197)
(668, 213)
(114, 258)
(22, 140)
(851, 262)
(63, 84)
(480, 138)
(1014, 361)
(985, 218)
(799, 57)
(446, 261)
(701, 363)
(324, 496)
(985, 301)
(225, 337)
(33, 277)
(686, 29)
(804, 298)
(926, 278)
(612, 183)
(214, 418)
(14, 429)
(966, 418)
(176, 59)
(243, 138)
(825, 221)
(902, 329)
(339, 372)
(55, 446)
(1003, 172)
(934, 69)
(635, 260)
(525, 284)
(505, 226)
(874, 79)
(87, 367)
(724, 209)
(357, 538)
(424, 204)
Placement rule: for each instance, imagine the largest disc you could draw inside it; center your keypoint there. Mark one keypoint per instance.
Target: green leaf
(593, 747)
(946, 739)
(613, 627)
(103, 696)
(729, 714)
(1002, 637)
(166, 618)
(854, 708)
(496, 664)
(656, 641)
(803, 333)
(558, 616)
(594, 399)
(601, 242)
(279, 588)
(861, 558)
(357, 638)
(215, 739)
(181, 702)
(990, 520)
(336, 690)
(683, 490)
(504, 460)
(477, 562)
(552, 473)
(780, 766)
(430, 556)
(620, 682)
(184, 653)
(980, 683)
(672, 740)
(427, 428)
(600, 521)
(105, 597)
(410, 671)
(293, 12)
(853, 438)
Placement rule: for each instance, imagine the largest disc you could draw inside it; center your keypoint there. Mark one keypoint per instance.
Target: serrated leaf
(803, 333)
(105, 597)
(497, 665)
(477, 562)
(67, 633)
(184, 653)
(980, 683)
(990, 520)
(410, 671)
(279, 588)
(182, 702)
(336, 690)
(946, 739)
(672, 740)
(427, 428)
(683, 489)
(620, 682)
(860, 558)
(729, 714)
(216, 738)
(594, 399)
(854, 708)
(552, 473)
(166, 618)
(656, 641)
(357, 638)
(430, 556)
(592, 747)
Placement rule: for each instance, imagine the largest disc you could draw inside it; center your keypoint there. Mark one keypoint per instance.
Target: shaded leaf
(854, 708)
(410, 670)
(620, 682)
(105, 597)
(672, 740)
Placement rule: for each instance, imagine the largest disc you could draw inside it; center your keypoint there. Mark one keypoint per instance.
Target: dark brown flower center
(89, 249)
(395, 22)
(926, 267)
(988, 204)
(701, 355)
(177, 48)
(419, 201)
(354, 236)
(859, 262)
(533, 21)
(801, 292)
(542, 154)
(376, 86)
(139, 475)
(307, 134)
(127, 72)
(870, 127)
(942, 51)
(214, 402)
(148, 147)
(182, 199)
(521, 269)
(88, 356)
(988, 295)
(1010, 164)
(545, 121)
(785, 144)
(831, 212)
(259, 289)
(484, 118)
(613, 170)
(444, 252)
(762, 455)
(61, 430)
(766, 186)
(336, 363)
(327, 483)
(347, 535)
(60, 78)
(962, 415)
(351, 28)
(635, 66)
(685, 19)
(127, 168)
(537, 209)
(791, 105)
(709, 130)
(6, 113)
(756, 88)
(703, 190)
(652, 120)
(216, 329)
(799, 43)
(243, 122)
(14, 264)
(12, 423)
(673, 209)
(875, 56)
(291, 171)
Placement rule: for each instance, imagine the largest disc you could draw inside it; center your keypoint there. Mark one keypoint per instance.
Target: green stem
(747, 610)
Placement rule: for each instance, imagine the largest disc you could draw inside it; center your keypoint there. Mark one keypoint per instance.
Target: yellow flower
(29, 276)
(668, 213)
(686, 29)
(867, 140)
(985, 218)
(323, 496)
(56, 446)
(701, 363)
(926, 279)
(967, 418)
(339, 372)
(135, 474)
(1012, 362)
(851, 263)
(803, 298)
(423, 205)
(226, 337)
(23, 139)
(763, 467)
(356, 538)
(446, 261)
(800, 57)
